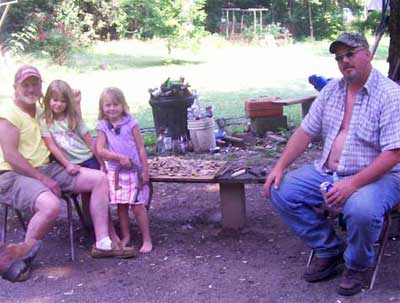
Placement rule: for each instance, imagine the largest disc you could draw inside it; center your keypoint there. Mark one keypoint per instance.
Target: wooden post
(255, 22)
(233, 23)
(227, 24)
(310, 21)
(233, 205)
(8, 5)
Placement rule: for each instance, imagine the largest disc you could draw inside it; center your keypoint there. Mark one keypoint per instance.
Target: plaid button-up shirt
(374, 125)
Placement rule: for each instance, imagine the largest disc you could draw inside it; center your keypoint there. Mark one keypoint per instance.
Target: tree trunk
(310, 19)
(394, 47)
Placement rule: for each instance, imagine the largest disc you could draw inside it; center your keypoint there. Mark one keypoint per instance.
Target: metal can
(333, 210)
(325, 187)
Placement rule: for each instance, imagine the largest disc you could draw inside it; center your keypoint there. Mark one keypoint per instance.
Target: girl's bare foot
(146, 247)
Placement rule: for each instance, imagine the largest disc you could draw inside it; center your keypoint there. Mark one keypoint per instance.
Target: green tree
(175, 21)
(303, 18)
(133, 17)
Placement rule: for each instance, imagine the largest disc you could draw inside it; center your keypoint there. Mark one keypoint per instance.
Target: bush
(52, 38)
(58, 44)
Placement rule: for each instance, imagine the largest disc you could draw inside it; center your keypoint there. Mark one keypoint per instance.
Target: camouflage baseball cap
(349, 39)
(26, 71)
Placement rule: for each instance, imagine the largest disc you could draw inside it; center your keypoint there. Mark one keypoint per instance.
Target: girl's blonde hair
(118, 96)
(61, 87)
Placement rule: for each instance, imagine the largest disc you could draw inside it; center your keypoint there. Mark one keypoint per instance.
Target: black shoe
(352, 282)
(323, 268)
(15, 270)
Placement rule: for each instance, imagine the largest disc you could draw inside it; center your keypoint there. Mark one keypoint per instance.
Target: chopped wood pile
(179, 167)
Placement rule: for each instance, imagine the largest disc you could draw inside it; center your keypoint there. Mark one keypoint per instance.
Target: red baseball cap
(26, 71)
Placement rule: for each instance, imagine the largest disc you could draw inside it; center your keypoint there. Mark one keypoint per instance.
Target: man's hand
(339, 193)
(274, 178)
(52, 185)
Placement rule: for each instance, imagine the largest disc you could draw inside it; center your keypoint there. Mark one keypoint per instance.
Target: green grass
(224, 74)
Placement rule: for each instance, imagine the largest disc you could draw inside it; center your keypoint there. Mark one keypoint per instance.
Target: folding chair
(380, 247)
(70, 199)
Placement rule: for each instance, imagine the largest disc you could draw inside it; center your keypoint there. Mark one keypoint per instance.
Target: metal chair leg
(79, 211)
(67, 198)
(382, 242)
(20, 218)
(70, 228)
(310, 257)
(4, 230)
(382, 245)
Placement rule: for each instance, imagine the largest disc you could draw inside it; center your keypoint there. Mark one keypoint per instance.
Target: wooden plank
(294, 100)
(181, 178)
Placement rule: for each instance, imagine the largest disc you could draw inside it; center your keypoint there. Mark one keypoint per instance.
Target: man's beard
(28, 100)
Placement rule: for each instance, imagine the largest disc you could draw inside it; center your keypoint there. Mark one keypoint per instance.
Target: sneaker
(323, 268)
(117, 252)
(352, 282)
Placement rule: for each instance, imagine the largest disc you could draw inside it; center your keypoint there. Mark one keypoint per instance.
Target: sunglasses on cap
(347, 54)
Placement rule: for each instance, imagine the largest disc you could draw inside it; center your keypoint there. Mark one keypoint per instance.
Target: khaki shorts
(21, 192)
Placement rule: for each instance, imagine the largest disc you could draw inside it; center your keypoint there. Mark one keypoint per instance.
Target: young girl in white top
(64, 131)
(119, 143)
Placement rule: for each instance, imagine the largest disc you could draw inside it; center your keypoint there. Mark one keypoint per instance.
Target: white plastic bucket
(202, 134)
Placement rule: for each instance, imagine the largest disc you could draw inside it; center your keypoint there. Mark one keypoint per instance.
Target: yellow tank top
(31, 145)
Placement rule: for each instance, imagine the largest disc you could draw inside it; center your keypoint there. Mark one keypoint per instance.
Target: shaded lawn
(224, 76)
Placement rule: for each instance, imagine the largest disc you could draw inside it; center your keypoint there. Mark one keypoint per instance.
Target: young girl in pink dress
(119, 143)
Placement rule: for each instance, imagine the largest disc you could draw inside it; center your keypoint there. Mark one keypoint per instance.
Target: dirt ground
(193, 260)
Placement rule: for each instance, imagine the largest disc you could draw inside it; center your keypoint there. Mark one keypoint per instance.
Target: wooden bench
(231, 192)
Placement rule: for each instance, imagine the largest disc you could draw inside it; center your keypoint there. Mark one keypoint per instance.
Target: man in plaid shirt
(357, 118)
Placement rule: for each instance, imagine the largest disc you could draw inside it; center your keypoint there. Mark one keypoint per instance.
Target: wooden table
(232, 195)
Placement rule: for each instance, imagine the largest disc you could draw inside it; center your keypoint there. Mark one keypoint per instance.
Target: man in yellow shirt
(28, 181)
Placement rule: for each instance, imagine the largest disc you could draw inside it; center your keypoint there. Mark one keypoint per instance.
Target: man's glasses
(347, 54)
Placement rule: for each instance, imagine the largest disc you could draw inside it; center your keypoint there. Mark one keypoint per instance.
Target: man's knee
(360, 212)
(48, 205)
(278, 197)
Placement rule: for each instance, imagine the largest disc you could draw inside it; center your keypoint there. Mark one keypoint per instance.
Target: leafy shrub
(18, 42)
(43, 34)
(58, 44)
(52, 38)
(367, 25)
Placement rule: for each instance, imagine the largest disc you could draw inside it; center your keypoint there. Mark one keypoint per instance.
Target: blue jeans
(299, 194)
